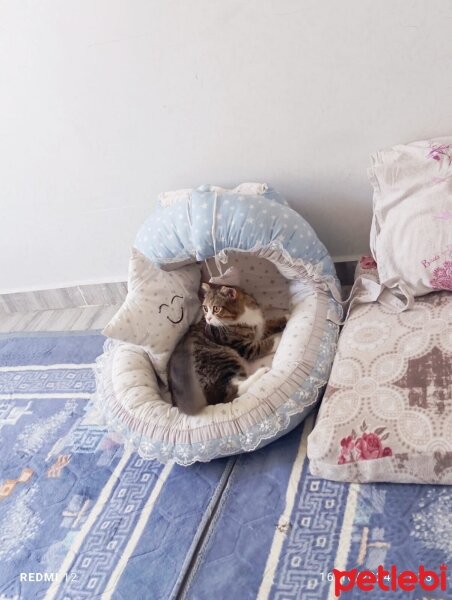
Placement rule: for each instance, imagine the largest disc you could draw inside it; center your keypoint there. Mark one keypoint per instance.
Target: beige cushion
(387, 411)
(159, 308)
(411, 237)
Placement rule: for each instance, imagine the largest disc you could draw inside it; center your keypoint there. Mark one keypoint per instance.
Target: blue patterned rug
(81, 518)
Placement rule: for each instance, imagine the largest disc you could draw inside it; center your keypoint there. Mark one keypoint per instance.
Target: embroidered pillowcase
(159, 308)
(411, 236)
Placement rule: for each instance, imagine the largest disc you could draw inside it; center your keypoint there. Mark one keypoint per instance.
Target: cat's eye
(216, 310)
(204, 307)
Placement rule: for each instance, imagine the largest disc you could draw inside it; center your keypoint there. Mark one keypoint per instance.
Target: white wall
(104, 103)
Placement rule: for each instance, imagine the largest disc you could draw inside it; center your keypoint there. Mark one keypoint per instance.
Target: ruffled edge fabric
(277, 414)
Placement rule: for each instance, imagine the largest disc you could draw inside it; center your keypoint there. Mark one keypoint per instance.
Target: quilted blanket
(82, 517)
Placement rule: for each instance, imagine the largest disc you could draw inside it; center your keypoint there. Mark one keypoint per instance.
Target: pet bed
(249, 230)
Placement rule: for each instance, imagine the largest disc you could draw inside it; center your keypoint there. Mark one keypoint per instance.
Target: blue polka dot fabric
(200, 223)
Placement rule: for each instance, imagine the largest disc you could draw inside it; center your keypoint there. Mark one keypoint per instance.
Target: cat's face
(222, 305)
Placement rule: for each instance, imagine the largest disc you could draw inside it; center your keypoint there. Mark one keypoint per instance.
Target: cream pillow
(411, 237)
(159, 308)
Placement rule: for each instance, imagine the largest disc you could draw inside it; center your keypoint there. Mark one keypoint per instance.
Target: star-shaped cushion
(159, 308)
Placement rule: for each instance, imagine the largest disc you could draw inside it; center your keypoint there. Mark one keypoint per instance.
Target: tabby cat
(209, 365)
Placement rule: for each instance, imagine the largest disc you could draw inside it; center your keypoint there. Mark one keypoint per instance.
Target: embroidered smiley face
(175, 309)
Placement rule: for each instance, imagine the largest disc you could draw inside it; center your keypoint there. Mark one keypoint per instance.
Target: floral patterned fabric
(387, 411)
(411, 236)
(366, 446)
(442, 276)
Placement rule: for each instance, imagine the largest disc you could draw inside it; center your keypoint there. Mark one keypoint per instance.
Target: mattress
(83, 517)
(387, 410)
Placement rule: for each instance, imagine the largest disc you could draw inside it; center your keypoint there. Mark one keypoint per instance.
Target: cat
(209, 364)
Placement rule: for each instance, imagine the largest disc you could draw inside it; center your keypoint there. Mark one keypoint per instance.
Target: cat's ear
(205, 287)
(229, 292)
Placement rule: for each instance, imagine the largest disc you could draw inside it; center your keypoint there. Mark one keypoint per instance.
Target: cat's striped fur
(209, 364)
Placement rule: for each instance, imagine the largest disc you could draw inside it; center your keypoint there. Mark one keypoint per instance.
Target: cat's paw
(261, 371)
(244, 384)
(276, 325)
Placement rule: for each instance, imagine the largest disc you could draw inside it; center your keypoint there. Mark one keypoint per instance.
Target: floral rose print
(367, 446)
(442, 277)
(438, 151)
(370, 446)
(367, 262)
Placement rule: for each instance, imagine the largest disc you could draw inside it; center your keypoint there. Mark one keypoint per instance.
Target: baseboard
(103, 294)
(96, 294)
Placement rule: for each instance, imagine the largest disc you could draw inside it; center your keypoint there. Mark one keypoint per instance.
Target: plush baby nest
(284, 265)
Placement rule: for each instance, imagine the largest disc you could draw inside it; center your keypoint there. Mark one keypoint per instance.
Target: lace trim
(273, 425)
(299, 404)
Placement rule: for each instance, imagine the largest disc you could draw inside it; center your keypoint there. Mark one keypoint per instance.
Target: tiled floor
(67, 319)
(92, 306)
